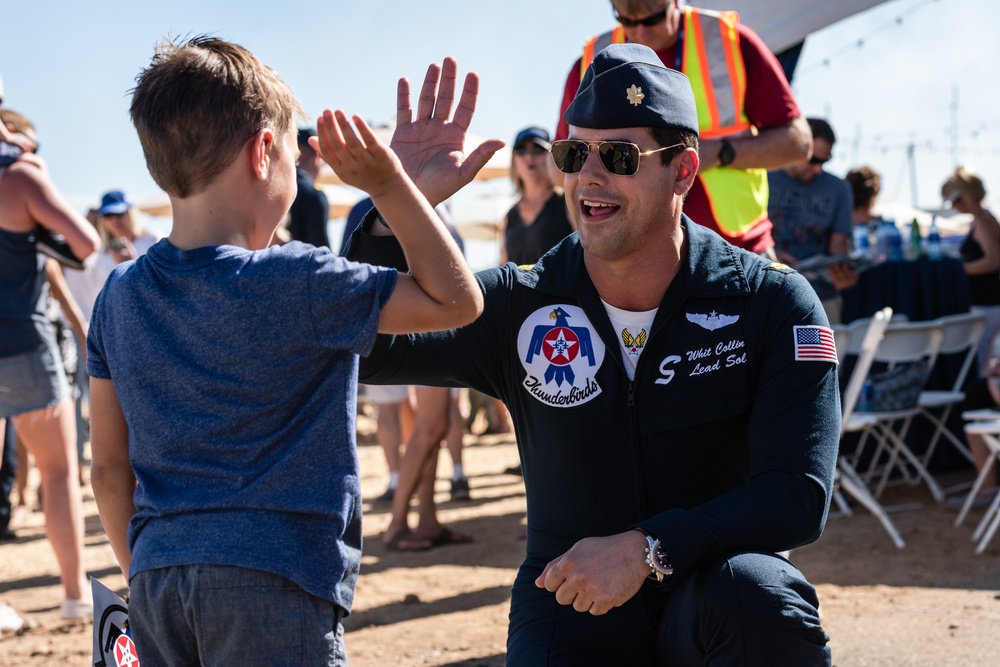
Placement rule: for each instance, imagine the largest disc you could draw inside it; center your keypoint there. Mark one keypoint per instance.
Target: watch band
(659, 564)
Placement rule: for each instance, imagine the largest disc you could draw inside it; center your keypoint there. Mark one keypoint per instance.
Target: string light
(860, 42)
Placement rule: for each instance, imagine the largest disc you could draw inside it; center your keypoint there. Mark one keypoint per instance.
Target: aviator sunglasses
(647, 21)
(619, 157)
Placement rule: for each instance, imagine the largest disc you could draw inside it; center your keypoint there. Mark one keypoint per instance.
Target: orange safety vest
(713, 63)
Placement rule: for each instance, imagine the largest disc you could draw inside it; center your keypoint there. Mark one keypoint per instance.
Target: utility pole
(911, 159)
(954, 125)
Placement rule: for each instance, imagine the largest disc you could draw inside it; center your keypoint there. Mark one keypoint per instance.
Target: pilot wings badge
(713, 320)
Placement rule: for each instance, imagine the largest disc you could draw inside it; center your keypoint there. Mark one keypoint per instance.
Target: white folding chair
(904, 344)
(962, 334)
(989, 431)
(862, 339)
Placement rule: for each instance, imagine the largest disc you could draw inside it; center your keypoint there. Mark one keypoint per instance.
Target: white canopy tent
(785, 23)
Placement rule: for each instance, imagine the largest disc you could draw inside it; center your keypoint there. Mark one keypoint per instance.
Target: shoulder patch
(778, 266)
(525, 267)
(561, 353)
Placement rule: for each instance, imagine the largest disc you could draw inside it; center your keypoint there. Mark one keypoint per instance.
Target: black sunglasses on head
(619, 157)
(648, 21)
(531, 147)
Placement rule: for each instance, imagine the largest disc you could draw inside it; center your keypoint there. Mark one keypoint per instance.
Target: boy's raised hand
(365, 162)
(431, 147)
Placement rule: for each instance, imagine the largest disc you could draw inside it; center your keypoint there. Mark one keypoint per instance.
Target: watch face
(726, 153)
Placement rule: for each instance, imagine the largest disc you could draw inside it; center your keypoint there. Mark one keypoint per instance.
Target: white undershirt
(632, 330)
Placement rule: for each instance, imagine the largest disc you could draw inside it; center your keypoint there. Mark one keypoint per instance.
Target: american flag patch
(814, 343)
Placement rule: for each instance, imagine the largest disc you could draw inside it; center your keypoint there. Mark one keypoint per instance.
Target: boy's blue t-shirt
(236, 371)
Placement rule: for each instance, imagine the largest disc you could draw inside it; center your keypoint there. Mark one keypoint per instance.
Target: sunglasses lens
(569, 156)
(619, 158)
(648, 21)
(532, 149)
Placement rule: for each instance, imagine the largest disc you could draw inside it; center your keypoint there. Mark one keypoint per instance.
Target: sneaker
(77, 610)
(387, 496)
(460, 489)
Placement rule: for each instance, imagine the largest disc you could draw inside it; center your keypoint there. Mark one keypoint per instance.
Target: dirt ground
(933, 603)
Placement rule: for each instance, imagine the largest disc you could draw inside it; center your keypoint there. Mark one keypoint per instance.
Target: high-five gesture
(365, 162)
(432, 147)
(439, 292)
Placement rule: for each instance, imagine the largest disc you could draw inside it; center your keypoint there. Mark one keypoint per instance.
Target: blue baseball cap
(628, 86)
(114, 203)
(304, 134)
(533, 135)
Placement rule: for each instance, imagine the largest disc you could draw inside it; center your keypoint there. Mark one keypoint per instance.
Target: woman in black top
(980, 251)
(538, 220)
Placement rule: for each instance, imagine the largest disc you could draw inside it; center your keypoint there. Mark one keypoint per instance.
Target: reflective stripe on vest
(597, 44)
(713, 63)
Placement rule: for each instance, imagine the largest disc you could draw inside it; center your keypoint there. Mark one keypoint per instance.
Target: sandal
(406, 540)
(448, 536)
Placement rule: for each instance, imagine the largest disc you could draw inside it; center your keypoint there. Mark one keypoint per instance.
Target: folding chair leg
(992, 517)
(854, 485)
(974, 493)
(899, 447)
(941, 429)
(841, 502)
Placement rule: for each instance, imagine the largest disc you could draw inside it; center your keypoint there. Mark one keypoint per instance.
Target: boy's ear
(260, 153)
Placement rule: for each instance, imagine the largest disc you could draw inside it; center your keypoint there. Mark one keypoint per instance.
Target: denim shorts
(224, 615)
(31, 381)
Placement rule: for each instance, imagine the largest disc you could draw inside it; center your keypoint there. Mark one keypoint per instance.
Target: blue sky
(69, 67)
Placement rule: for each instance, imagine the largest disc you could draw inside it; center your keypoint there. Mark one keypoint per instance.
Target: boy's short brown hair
(196, 105)
(16, 121)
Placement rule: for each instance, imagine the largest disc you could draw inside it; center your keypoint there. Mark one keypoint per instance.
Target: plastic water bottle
(895, 243)
(882, 241)
(864, 403)
(914, 249)
(933, 241)
(862, 247)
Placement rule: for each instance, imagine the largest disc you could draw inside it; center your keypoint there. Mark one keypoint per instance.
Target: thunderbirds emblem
(561, 353)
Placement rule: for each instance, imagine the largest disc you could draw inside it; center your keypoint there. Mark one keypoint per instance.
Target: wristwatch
(659, 564)
(726, 154)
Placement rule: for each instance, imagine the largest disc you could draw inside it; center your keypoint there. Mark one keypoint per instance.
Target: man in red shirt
(750, 120)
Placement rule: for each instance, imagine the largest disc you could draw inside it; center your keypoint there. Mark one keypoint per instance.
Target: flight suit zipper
(638, 453)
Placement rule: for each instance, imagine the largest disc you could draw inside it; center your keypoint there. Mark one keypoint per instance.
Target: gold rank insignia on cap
(635, 95)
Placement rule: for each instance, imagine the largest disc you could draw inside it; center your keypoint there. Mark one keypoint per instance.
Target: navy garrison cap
(628, 86)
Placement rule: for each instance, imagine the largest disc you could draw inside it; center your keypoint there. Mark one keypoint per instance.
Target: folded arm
(44, 204)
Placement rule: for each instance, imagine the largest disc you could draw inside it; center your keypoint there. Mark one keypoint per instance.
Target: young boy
(224, 370)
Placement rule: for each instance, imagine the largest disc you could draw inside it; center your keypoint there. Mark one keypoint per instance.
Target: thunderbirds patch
(561, 354)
